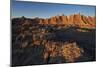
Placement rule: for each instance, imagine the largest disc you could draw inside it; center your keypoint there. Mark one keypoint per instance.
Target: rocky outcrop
(73, 20)
(37, 41)
(43, 21)
(53, 20)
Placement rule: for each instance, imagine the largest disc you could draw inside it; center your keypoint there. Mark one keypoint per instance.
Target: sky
(46, 10)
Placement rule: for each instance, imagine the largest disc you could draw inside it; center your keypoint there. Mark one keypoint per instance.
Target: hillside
(59, 39)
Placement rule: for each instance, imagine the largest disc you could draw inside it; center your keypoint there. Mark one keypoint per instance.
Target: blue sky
(46, 10)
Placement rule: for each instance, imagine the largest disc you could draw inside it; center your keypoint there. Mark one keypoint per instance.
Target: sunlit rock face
(73, 20)
(53, 20)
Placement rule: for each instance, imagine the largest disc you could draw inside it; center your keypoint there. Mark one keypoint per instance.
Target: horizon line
(52, 16)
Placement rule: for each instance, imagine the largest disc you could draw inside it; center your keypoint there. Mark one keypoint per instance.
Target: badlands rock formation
(71, 20)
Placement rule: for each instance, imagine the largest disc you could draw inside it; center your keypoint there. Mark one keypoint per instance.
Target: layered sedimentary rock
(73, 20)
